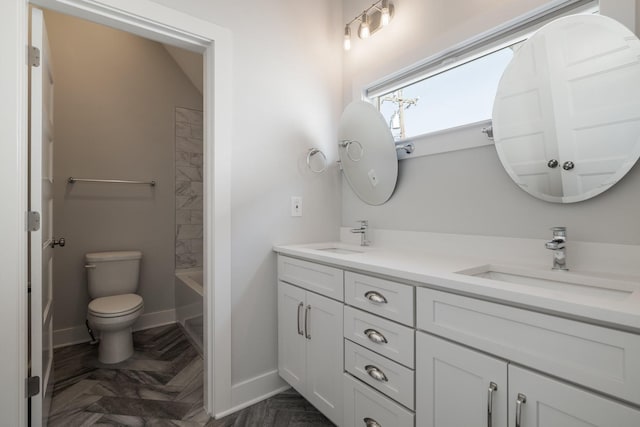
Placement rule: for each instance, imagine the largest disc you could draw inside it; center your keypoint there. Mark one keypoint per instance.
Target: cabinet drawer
(327, 281)
(386, 376)
(378, 296)
(363, 404)
(395, 341)
(603, 359)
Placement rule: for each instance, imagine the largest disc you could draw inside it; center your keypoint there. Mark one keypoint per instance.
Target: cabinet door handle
(376, 297)
(376, 373)
(522, 399)
(370, 422)
(307, 315)
(300, 332)
(375, 336)
(492, 387)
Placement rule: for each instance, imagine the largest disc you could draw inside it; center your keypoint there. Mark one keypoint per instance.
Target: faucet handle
(363, 222)
(559, 231)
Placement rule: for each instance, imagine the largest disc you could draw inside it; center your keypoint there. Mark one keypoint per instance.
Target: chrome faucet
(364, 226)
(557, 245)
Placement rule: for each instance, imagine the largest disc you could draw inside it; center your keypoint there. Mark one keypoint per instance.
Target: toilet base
(115, 346)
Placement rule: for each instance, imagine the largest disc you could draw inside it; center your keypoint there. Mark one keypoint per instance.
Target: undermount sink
(341, 251)
(596, 286)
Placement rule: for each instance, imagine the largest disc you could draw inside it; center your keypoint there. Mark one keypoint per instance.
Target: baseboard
(254, 390)
(78, 334)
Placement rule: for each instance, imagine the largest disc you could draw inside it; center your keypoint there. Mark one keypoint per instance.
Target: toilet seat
(116, 305)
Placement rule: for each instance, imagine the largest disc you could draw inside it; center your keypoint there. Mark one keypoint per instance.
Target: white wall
(287, 86)
(468, 191)
(115, 99)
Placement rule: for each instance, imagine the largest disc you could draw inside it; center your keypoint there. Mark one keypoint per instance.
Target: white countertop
(437, 270)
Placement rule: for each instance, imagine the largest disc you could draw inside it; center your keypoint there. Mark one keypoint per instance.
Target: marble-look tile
(183, 247)
(183, 158)
(197, 187)
(188, 231)
(183, 130)
(188, 144)
(187, 374)
(189, 202)
(76, 419)
(196, 216)
(137, 391)
(184, 173)
(183, 216)
(62, 400)
(196, 246)
(197, 132)
(196, 159)
(183, 188)
(186, 261)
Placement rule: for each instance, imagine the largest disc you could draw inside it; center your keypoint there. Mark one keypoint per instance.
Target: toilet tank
(112, 273)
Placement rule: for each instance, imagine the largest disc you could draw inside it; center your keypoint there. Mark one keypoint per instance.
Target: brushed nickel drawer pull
(492, 387)
(376, 373)
(300, 332)
(522, 399)
(376, 297)
(307, 315)
(375, 336)
(370, 422)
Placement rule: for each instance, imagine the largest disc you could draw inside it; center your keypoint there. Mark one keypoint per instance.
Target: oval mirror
(367, 153)
(566, 117)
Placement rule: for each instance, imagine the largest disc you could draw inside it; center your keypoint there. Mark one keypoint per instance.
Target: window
(457, 87)
(454, 97)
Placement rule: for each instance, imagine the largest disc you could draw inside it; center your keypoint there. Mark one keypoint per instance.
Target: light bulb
(385, 16)
(364, 31)
(347, 38)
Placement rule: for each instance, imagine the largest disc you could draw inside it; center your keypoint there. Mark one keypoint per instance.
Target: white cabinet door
(454, 386)
(550, 403)
(325, 355)
(291, 340)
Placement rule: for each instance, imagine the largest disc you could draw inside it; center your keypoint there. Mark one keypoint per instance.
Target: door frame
(154, 21)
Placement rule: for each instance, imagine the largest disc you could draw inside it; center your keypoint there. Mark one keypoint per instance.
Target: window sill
(453, 139)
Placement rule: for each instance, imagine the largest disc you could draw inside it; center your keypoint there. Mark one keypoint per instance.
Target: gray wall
(286, 99)
(115, 96)
(468, 191)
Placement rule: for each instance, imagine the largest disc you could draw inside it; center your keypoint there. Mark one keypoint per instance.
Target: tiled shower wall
(188, 188)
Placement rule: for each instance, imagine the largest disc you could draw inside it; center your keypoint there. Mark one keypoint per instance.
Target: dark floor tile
(140, 407)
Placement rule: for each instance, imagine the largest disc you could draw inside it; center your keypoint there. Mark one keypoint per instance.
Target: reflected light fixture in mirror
(376, 16)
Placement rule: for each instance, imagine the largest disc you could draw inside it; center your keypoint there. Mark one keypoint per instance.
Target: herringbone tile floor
(160, 385)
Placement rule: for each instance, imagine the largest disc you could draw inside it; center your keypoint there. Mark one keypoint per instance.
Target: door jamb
(151, 20)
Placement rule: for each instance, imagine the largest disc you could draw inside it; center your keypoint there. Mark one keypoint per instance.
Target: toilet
(114, 307)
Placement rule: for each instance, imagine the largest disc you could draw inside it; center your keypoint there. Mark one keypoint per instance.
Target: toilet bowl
(113, 317)
(112, 281)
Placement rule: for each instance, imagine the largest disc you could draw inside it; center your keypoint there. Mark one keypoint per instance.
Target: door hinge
(33, 386)
(34, 56)
(33, 221)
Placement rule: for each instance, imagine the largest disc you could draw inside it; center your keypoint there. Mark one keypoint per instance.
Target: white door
(551, 403)
(291, 338)
(456, 386)
(41, 200)
(325, 355)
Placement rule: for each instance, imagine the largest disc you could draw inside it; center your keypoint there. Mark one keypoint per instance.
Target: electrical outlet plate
(296, 206)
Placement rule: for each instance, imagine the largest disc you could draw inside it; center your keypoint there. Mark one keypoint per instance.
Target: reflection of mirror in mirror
(367, 153)
(566, 118)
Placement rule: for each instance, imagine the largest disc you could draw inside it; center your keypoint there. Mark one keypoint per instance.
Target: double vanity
(396, 338)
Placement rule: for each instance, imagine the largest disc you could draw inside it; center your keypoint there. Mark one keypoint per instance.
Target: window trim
(507, 34)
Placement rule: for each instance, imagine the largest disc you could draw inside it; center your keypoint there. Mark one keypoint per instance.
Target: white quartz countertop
(607, 299)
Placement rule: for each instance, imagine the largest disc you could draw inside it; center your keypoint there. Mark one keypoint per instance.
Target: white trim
(141, 17)
(78, 334)
(13, 188)
(254, 390)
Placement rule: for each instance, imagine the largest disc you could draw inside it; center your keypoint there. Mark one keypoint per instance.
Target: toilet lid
(116, 305)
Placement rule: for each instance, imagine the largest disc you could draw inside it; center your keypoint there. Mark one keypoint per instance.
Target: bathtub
(188, 291)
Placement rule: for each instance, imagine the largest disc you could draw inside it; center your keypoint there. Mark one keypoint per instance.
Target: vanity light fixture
(371, 19)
